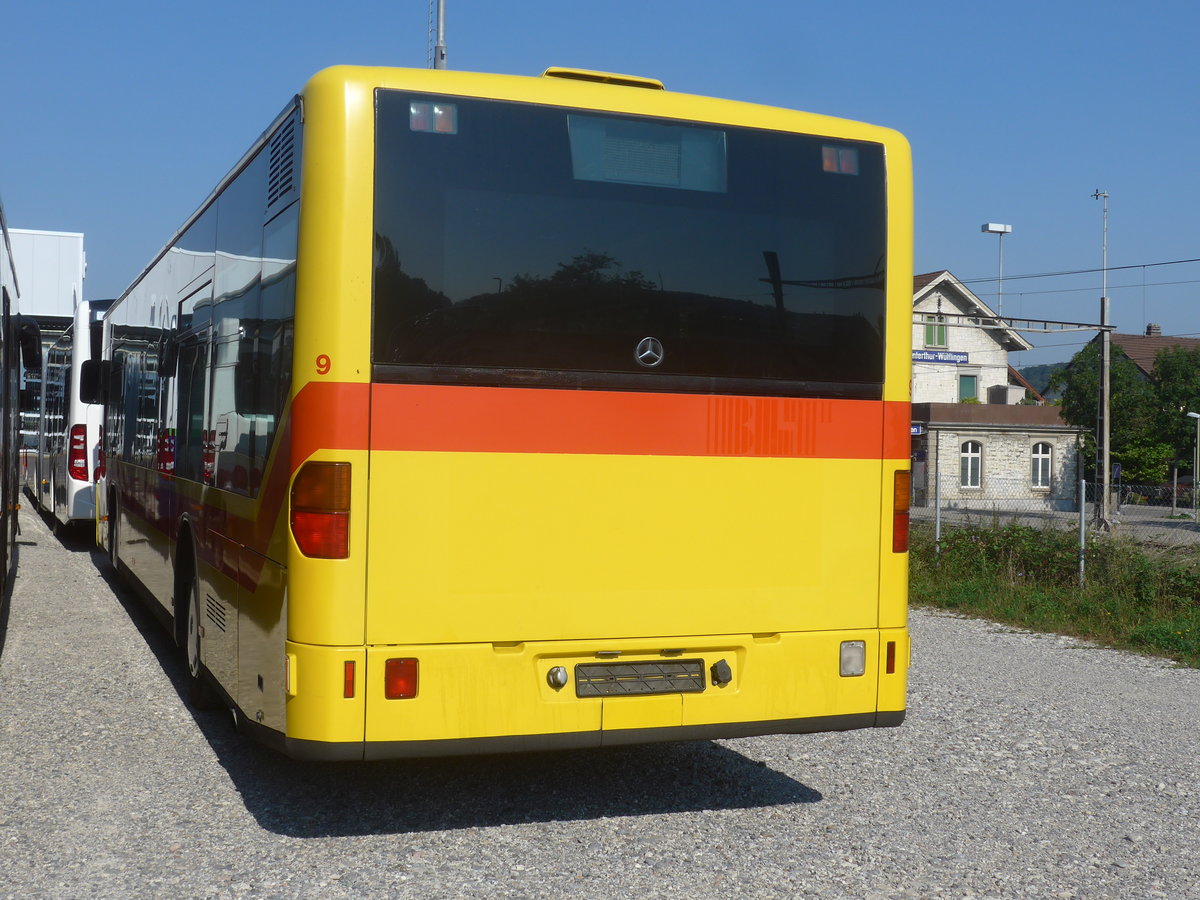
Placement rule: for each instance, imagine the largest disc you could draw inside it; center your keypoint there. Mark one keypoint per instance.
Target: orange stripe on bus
(461, 418)
(897, 430)
(329, 416)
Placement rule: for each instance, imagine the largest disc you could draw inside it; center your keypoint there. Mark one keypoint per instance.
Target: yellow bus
(477, 413)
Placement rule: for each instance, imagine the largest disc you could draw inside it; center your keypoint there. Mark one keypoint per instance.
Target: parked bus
(478, 413)
(60, 467)
(20, 342)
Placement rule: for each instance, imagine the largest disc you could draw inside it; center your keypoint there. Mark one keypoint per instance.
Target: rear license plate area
(682, 676)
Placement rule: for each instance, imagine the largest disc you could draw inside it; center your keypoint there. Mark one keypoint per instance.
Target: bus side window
(240, 210)
(189, 428)
(264, 386)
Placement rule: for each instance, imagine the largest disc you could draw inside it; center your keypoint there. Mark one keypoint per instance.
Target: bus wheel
(200, 693)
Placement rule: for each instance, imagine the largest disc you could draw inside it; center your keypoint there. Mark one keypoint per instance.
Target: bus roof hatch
(604, 78)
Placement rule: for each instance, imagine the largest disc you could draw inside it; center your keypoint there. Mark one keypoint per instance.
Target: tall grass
(1134, 597)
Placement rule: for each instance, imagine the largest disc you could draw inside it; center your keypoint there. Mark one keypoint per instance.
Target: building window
(968, 387)
(970, 465)
(935, 331)
(1042, 456)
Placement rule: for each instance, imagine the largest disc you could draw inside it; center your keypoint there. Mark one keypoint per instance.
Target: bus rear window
(533, 244)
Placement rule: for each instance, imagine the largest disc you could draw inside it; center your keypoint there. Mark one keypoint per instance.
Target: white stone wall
(1006, 475)
(938, 382)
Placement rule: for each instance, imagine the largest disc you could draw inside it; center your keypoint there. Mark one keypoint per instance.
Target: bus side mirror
(30, 337)
(91, 388)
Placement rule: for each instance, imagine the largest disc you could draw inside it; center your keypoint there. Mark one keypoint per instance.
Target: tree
(1134, 428)
(1177, 381)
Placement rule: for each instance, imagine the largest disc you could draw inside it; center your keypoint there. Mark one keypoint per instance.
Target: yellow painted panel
(898, 363)
(642, 712)
(541, 546)
(333, 277)
(317, 711)
(893, 689)
(893, 567)
(479, 690)
(326, 596)
(475, 690)
(585, 95)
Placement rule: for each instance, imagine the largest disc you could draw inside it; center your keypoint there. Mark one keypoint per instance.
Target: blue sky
(119, 117)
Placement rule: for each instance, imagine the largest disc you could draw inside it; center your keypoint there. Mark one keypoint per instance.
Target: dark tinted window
(518, 243)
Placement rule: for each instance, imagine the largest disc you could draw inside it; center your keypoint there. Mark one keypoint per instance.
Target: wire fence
(1155, 515)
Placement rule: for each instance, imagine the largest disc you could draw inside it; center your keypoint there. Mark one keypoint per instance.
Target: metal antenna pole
(1001, 230)
(1104, 431)
(439, 51)
(1000, 279)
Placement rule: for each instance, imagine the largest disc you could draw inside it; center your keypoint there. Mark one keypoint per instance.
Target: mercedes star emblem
(649, 352)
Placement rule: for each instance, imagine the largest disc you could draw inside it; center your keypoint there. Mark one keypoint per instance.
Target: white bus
(60, 467)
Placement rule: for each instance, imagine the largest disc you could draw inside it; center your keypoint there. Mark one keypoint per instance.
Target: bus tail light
(321, 510)
(400, 679)
(903, 487)
(77, 461)
(348, 679)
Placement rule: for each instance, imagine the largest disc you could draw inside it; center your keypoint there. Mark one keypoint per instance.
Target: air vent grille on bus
(215, 610)
(281, 179)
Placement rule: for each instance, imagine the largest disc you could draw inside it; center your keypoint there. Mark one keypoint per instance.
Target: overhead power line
(1111, 287)
(1173, 262)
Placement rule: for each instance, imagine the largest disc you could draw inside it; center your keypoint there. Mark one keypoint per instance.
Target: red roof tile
(920, 281)
(1143, 348)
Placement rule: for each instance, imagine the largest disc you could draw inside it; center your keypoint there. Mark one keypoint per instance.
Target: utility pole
(439, 50)
(1104, 407)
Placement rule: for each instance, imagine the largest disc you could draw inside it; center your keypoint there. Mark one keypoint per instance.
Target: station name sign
(955, 357)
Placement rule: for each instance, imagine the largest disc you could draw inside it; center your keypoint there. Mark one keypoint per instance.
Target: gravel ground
(1030, 766)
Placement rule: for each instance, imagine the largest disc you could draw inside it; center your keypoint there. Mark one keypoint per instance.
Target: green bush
(1133, 597)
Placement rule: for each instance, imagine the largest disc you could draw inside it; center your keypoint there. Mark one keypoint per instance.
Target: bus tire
(200, 692)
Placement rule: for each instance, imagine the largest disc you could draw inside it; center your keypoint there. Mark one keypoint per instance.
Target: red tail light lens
(348, 679)
(77, 461)
(321, 510)
(900, 512)
(400, 679)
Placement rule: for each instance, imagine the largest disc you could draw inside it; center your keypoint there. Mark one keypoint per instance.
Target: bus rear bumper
(479, 699)
(328, 751)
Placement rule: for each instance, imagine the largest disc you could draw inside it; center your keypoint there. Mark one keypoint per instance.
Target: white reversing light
(854, 658)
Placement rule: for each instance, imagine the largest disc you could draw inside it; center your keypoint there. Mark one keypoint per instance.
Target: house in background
(1142, 349)
(975, 421)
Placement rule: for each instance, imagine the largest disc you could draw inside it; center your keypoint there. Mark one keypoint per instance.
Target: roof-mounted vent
(281, 179)
(604, 78)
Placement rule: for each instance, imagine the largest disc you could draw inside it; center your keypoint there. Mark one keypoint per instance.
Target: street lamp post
(1195, 465)
(1002, 230)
